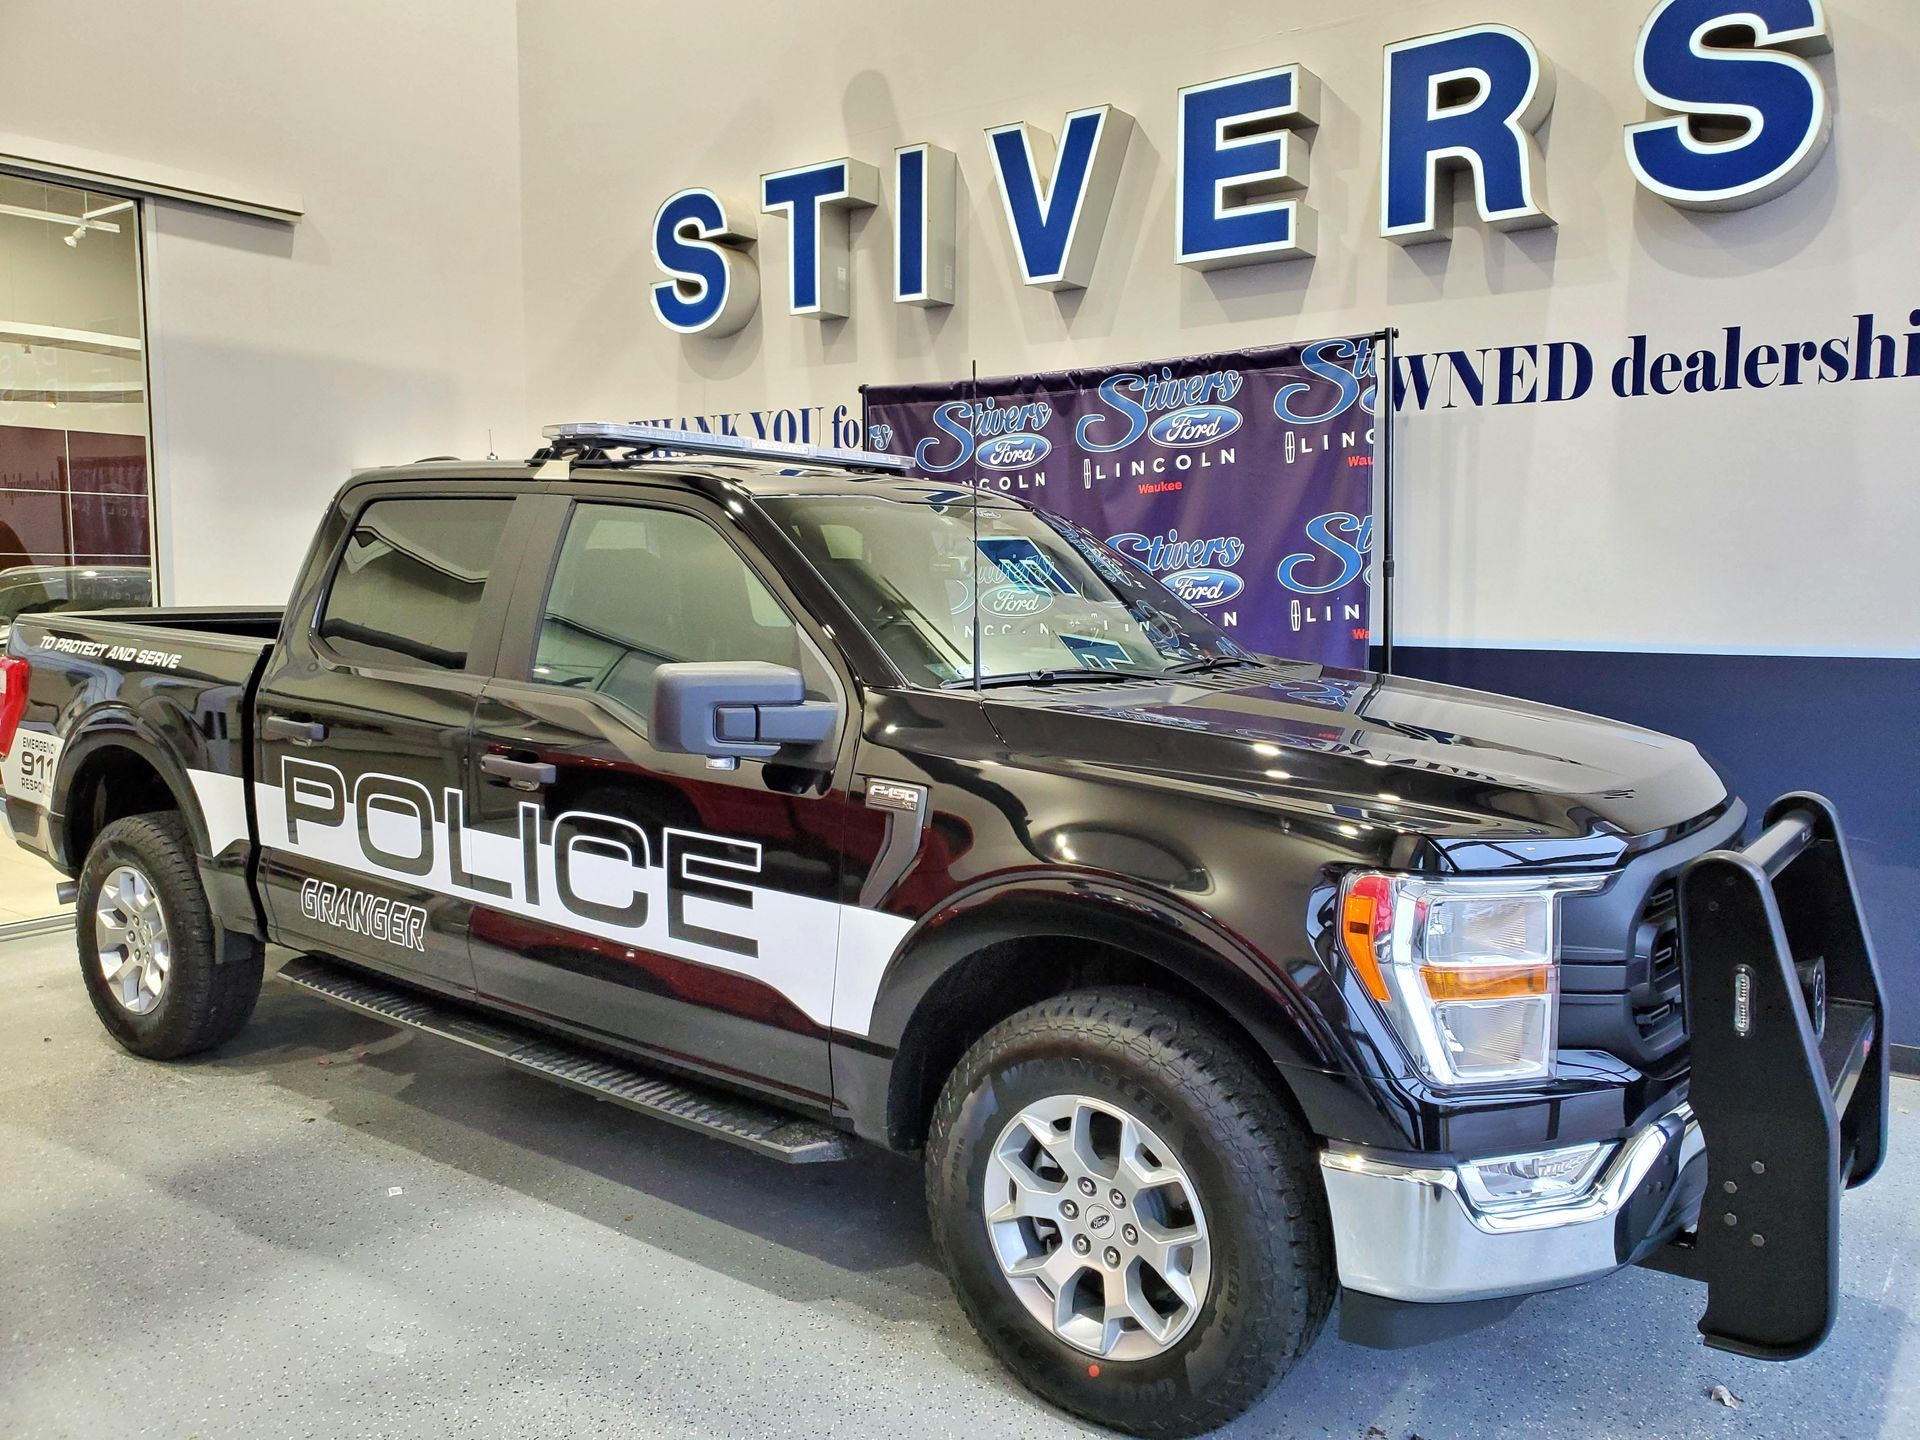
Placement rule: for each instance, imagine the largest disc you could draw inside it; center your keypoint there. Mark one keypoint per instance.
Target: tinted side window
(635, 589)
(408, 588)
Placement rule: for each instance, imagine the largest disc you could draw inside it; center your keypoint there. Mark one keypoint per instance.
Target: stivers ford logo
(1194, 426)
(1202, 588)
(1014, 452)
(1011, 600)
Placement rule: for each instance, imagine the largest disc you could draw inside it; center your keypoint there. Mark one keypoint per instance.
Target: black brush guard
(1790, 1063)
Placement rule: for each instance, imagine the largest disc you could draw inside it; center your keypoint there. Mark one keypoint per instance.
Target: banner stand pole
(1389, 414)
(973, 560)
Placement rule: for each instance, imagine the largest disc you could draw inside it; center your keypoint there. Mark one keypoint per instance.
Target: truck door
(658, 903)
(362, 725)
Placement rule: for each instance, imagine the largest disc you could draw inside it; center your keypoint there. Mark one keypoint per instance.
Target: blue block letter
(924, 230)
(1238, 154)
(1466, 100)
(1766, 105)
(815, 200)
(715, 285)
(1056, 234)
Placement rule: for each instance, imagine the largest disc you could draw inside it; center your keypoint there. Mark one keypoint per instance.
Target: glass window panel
(113, 464)
(408, 587)
(75, 483)
(109, 524)
(637, 588)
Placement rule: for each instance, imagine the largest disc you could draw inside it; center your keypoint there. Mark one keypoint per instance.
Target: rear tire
(146, 937)
(1238, 1175)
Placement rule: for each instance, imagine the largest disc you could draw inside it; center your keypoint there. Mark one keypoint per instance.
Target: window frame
(495, 594)
(547, 529)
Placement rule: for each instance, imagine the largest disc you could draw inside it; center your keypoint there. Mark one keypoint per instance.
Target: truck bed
(171, 686)
(254, 622)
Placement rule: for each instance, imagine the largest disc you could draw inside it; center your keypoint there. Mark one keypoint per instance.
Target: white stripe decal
(223, 804)
(826, 958)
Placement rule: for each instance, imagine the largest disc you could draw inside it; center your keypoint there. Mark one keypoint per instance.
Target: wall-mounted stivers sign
(1741, 117)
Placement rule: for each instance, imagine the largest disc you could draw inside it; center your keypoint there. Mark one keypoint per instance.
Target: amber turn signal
(1486, 982)
(1366, 918)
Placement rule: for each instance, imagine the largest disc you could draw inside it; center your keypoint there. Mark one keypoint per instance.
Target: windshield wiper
(1050, 677)
(1212, 662)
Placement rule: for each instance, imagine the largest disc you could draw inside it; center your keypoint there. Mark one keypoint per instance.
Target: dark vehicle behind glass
(45, 589)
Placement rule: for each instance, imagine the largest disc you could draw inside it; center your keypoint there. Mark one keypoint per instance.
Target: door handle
(520, 774)
(294, 732)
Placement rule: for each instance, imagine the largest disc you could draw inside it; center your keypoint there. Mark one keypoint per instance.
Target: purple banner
(1244, 480)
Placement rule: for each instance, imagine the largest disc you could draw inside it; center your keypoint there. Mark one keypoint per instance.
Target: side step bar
(1787, 1018)
(678, 1102)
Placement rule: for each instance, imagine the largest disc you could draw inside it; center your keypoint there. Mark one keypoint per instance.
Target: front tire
(147, 946)
(1129, 1212)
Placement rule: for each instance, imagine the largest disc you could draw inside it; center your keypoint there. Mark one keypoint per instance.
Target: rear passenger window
(636, 588)
(408, 588)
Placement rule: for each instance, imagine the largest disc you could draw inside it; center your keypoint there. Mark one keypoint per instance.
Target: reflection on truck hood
(1435, 759)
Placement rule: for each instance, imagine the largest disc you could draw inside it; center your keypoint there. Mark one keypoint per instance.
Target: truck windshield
(1053, 602)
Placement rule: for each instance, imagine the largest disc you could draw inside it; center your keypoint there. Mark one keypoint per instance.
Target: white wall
(479, 188)
(1778, 522)
(386, 325)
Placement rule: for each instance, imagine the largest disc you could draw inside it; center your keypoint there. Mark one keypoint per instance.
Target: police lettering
(603, 872)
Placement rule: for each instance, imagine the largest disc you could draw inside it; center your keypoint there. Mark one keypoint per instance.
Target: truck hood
(1460, 766)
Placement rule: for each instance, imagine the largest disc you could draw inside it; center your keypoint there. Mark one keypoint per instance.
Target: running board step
(694, 1107)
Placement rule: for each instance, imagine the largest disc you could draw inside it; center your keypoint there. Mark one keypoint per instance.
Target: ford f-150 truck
(793, 798)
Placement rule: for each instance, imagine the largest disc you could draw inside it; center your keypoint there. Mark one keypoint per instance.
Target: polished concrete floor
(26, 882)
(333, 1230)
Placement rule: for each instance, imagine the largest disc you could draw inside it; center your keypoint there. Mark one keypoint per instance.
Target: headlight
(1467, 969)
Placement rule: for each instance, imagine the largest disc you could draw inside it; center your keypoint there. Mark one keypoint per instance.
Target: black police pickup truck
(1214, 987)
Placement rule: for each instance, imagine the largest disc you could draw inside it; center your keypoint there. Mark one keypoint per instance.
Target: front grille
(1622, 986)
(1658, 1001)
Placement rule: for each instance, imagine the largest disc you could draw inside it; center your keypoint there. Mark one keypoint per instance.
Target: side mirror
(736, 709)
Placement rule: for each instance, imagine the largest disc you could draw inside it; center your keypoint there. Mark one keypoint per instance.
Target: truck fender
(110, 728)
(1261, 999)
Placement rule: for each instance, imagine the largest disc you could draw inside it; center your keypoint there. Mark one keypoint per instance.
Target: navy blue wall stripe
(1848, 728)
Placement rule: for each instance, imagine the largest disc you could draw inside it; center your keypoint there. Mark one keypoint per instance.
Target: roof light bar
(603, 435)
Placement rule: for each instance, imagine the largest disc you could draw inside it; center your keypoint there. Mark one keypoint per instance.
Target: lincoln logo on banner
(1244, 481)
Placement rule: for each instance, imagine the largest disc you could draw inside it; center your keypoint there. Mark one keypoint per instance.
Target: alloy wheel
(1097, 1226)
(130, 933)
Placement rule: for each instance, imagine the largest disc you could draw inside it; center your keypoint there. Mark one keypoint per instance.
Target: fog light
(1546, 1175)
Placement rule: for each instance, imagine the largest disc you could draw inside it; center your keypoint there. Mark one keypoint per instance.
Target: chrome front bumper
(1412, 1233)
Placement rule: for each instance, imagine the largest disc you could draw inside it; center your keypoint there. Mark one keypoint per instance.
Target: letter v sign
(1056, 234)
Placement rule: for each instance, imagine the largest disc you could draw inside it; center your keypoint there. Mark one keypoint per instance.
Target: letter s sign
(715, 285)
(1687, 65)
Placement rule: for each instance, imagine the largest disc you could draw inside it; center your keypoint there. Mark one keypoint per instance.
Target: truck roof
(758, 478)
